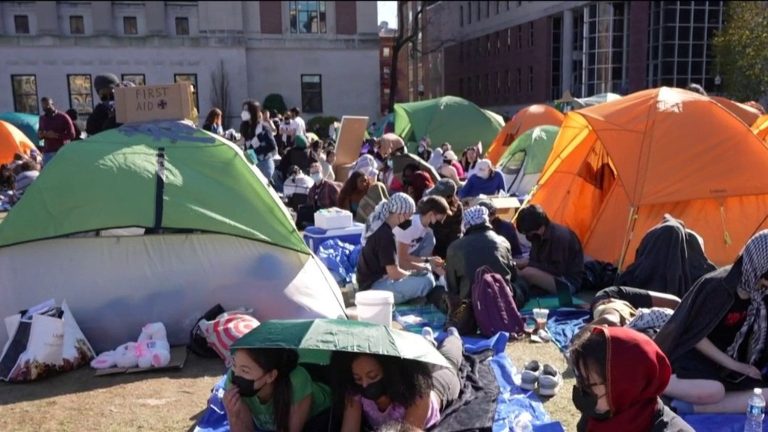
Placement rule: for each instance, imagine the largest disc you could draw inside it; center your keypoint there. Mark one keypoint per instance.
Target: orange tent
(746, 113)
(525, 119)
(761, 127)
(12, 141)
(617, 168)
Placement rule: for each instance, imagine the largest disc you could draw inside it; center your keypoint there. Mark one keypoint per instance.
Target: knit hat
(105, 80)
(445, 188)
(398, 203)
(475, 215)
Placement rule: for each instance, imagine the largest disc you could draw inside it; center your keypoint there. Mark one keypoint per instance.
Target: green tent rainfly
(447, 119)
(525, 158)
(155, 175)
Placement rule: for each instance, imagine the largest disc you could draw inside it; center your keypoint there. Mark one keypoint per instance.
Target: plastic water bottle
(755, 412)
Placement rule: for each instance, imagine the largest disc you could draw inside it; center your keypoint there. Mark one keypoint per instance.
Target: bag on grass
(198, 342)
(42, 341)
(493, 304)
(227, 328)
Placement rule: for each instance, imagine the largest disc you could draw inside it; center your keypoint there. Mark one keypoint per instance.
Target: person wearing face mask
(55, 129)
(556, 260)
(424, 152)
(324, 193)
(620, 374)
(267, 390)
(716, 338)
(415, 239)
(378, 267)
(103, 116)
(485, 181)
(383, 389)
(258, 138)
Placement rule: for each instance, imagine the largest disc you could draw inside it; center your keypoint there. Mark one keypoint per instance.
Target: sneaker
(429, 335)
(530, 376)
(453, 331)
(549, 381)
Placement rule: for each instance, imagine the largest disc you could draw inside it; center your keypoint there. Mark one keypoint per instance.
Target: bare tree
(220, 89)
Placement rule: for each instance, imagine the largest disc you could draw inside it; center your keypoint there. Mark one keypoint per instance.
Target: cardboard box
(159, 102)
(350, 140)
(506, 207)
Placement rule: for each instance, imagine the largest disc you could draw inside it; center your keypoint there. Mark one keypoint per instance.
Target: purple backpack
(494, 305)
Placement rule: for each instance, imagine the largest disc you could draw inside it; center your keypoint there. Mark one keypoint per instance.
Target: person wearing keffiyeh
(718, 332)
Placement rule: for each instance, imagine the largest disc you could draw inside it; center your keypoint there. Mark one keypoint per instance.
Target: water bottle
(755, 412)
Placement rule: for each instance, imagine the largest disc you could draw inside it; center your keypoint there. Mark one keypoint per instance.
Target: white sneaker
(550, 381)
(453, 331)
(530, 376)
(429, 335)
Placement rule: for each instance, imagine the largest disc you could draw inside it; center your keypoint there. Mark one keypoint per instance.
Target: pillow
(227, 328)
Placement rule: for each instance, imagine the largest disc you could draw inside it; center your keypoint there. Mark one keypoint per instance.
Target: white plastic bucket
(375, 306)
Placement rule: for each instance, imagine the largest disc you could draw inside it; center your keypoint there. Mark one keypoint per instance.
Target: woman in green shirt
(268, 391)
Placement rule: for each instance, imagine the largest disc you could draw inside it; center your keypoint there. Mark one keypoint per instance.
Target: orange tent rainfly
(617, 168)
(525, 119)
(12, 141)
(746, 113)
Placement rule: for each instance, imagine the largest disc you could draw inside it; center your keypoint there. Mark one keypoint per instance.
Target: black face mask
(49, 111)
(374, 390)
(405, 225)
(586, 403)
(246, 387)
(533, 237)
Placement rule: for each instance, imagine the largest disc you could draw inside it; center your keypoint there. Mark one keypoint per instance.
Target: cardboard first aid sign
(159, 102)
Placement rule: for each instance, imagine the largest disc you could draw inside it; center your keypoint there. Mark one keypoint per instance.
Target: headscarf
(476, 215)
(366, 164)
(300, 142)
(484, 163)
(436, 160)
(397, 203)
(754, 264)
(636, 373)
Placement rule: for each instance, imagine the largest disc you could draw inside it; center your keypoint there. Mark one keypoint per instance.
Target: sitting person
(436, 160)
(485, 181)
(415, 239)
(324, 193)
(417, 184)
(451, 168)
(267, 390)
(479, 247)
(28, 172)
(449, 230)
(327, 164)
(400, 158)
(361, 193)
(556, 260)
(297, 183)
(381, 389)
(715, 339)
(377, 267)
(620, 375)
(503, 228)
(669, 259)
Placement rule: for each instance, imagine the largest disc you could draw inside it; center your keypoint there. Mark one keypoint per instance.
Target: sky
(388, 12)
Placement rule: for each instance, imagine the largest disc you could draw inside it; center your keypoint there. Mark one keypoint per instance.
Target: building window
(557, 23)
(21, 23)
(386, 52)
(530, 35)
(498, 6)
(519, 37)
(307, 16)
(519, 81)
(385, 72)
(136, 79)
(182, 26)
(24, 89)
(487, 9)
(469, 12)
(461, 16)
(192, 79)
(530, 79)
(478, 11)
(312, 93)
(76, 25)
(130, 25)
(602, 62)
(80, 93)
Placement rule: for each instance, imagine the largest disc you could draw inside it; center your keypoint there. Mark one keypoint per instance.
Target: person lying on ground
(620, 374)
(716, 338)
(377, 267)
(382, 389)
(485, 181)
(267, 390)
(556, 260)
(639, 309)
(415, 239)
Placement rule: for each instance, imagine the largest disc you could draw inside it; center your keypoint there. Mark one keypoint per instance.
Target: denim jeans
(267, 167)
(408, 288)
(427, 245)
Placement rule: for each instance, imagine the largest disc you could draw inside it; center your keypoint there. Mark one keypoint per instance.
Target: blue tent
(27, 123)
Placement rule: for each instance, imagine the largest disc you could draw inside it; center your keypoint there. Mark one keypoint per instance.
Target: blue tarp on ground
(718, 422)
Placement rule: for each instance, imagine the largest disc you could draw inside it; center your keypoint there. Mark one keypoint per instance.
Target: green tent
(446, 119)
(116, 179)
(524, 160)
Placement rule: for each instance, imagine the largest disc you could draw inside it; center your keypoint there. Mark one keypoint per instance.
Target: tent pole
(524, 203)
(628, 235)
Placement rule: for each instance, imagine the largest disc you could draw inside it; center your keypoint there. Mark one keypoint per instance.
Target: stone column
(566, 62)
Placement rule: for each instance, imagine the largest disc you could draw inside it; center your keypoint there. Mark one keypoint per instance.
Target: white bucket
(375, 306)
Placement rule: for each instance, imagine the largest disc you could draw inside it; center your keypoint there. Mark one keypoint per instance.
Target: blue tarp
(718, 422)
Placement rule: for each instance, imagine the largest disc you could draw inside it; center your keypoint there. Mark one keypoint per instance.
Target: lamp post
(718, 81)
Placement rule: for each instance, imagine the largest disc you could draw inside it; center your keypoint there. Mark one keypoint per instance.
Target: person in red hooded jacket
(620, 374)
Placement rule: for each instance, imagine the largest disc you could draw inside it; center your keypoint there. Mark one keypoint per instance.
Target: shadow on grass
(196, 418)
(83, 380)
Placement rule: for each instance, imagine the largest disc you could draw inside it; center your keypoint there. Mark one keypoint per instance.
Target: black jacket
(102, 118)
(664, 420)
(265, 138)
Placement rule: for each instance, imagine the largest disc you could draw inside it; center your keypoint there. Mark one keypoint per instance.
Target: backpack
(493, 304)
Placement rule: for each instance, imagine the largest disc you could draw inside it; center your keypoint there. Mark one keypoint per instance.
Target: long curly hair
(406, 380)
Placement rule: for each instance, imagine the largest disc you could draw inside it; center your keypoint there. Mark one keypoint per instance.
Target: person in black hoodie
(718, 333)
(103, 116)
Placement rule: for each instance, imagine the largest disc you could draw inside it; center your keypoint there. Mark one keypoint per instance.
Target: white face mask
(316, 177)
(245, 115)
